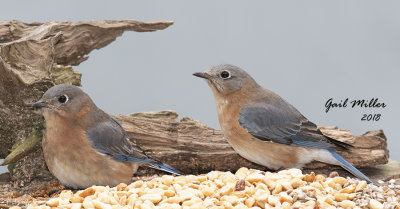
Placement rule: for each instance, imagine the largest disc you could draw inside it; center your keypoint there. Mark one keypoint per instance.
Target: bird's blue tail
(164, 167)
(149, 163)
(346, 165)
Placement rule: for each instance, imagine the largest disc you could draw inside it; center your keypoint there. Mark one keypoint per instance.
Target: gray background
(306, 51)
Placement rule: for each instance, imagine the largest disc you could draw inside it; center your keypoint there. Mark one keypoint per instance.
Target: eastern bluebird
(264, 128)
(84, 146)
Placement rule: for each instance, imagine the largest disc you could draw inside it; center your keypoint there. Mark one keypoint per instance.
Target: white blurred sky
(306, 51)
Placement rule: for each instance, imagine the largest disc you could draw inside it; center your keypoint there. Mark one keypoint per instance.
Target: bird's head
(227, 79)
(64, 100)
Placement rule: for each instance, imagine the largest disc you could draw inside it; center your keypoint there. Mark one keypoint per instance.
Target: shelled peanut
(246, 188)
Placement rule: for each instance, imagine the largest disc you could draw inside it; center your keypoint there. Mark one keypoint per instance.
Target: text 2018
(371, 117)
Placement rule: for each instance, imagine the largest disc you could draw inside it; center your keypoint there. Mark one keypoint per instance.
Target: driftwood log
(195, 148)
(36, 56)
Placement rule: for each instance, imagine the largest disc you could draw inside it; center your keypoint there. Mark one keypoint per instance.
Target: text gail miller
(362, 103)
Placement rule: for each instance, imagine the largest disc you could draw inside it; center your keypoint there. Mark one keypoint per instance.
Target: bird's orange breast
(71, 158)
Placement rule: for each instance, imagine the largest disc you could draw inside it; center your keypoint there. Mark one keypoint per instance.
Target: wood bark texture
(195, 148)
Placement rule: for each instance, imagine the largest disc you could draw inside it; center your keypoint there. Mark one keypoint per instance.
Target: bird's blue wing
(108, 137)
(280, 122)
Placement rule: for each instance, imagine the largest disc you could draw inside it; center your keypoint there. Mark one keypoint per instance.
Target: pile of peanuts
(247, 188)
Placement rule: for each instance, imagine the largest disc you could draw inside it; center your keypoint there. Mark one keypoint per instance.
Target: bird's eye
(63, 98)
(225, 74)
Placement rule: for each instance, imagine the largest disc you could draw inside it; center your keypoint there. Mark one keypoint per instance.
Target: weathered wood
(195, 148)
(25, 147)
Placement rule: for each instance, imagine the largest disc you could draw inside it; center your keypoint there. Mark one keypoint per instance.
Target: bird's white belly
(258, 158)
(271, 155)
(69, 175)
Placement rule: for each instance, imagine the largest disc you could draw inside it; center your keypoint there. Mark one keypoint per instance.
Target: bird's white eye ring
(63, 99)
(225, 74)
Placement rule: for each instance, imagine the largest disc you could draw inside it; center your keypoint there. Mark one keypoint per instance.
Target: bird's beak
(39, 104)
(202, 75)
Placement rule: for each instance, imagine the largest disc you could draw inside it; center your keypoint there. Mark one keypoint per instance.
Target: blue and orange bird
(84, 146)
(264, 128)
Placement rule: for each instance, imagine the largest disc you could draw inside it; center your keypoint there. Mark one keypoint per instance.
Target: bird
(83, 145)
(264, 128)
